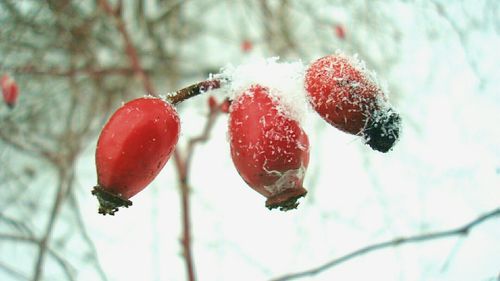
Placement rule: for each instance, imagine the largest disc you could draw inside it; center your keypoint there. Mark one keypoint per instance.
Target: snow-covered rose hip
(345, 95)
(133, 147)
(10, 90)
(269, 149)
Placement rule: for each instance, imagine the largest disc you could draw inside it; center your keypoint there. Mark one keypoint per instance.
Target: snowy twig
(460, 231)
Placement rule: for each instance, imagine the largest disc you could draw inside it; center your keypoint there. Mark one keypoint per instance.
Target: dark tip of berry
(382, 130)
(10, 105)
(286, 200)
(109, 202)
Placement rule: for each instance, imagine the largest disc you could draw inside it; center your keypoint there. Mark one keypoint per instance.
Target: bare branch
(86, 237)
(64, 185)
(13, 272)
(129, 47)
(460, 231)
(58, 258)
(182, 164)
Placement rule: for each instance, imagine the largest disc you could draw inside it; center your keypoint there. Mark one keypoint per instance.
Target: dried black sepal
(383, 130)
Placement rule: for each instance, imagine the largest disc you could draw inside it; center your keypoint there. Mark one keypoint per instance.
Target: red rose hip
(347, 98)
(269, 149)
(132, 149)
(10, 90)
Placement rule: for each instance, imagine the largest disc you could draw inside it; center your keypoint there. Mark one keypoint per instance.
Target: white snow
(285, 81)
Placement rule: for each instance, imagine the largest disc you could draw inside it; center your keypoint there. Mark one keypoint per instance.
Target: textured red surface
(135, 144)
(10, 90)
(341, 93)
(269, 150)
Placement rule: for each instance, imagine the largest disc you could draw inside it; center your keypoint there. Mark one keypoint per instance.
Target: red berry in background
(269, 149)
(224, 106)
(133, 147)
(340, 31)
(10, 90)
(246, 46)
(212, 103)
(346, 97)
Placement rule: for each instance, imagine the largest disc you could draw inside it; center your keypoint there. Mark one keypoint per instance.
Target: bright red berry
(246, 46)
(340, 31)
(133, 147)
(346, 97)
(10, 90)
(269, 149)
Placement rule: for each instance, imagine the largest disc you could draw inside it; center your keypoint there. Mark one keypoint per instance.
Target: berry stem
(194, 90)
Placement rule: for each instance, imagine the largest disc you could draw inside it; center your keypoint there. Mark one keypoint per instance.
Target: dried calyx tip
(109, 202)
(286, 200)
(382, 130)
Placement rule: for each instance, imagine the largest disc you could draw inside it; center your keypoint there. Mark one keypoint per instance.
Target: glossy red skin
(263, 140)
(10, 90)
(341, 93)
(135, 144)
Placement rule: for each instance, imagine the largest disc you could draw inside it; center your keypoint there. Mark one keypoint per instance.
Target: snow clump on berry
(284, 80)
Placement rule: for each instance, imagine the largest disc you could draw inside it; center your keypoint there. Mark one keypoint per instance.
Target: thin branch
(182, 164)
(58, 258)
(19, 225)
(129, 47)
(186, 231)
(57, 71)
(195, 89)
(64, 185)
(460, 231)
(86, 237)
(13, 272)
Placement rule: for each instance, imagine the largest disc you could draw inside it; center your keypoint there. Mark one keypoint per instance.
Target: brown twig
(129, 46)
(459, 231)
(65, 183)
(58, 258)
(13, 272)
(194, 90)
(57, 71)
(182, 164)
(186, 231)
(85, 235)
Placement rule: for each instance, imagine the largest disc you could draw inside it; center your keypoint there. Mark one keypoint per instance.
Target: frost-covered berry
(269, 149)
(133, 147)
(347, 97)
